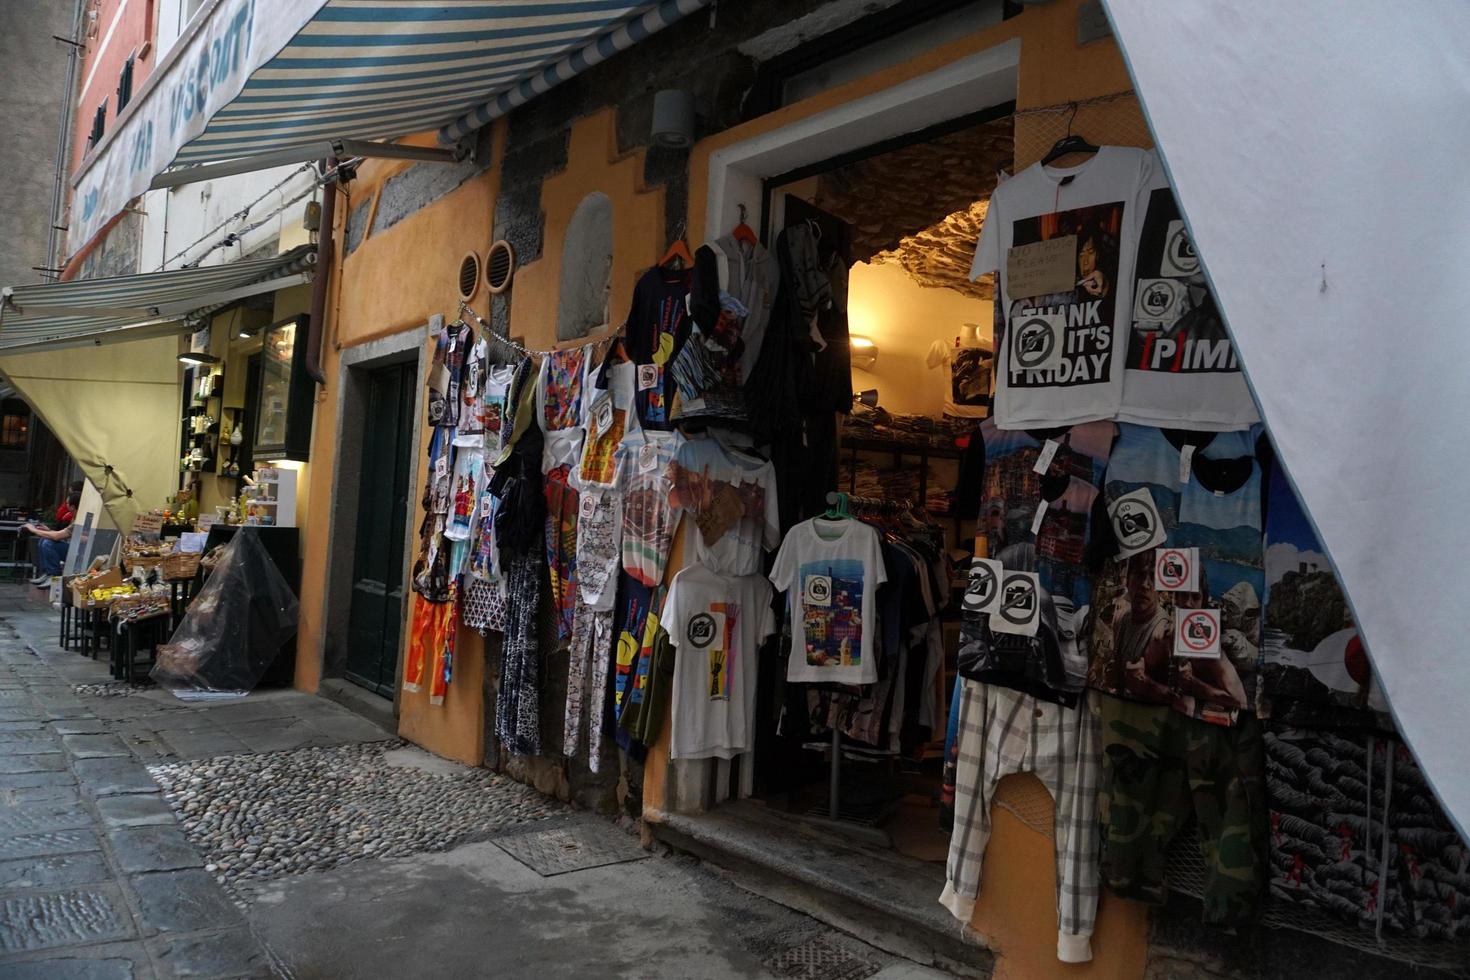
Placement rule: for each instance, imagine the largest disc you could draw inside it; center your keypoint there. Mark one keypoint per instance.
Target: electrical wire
(240, 215)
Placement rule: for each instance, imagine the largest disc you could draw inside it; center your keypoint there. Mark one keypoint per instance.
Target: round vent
(500, 265)
(469, 276)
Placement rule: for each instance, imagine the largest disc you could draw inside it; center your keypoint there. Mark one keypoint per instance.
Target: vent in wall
(469, 276)
(500, 266)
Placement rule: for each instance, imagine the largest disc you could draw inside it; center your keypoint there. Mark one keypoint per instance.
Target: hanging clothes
(655, 330)
(517, 706)
(731, 497)
(649, 516)
(590, 654)
(1001, 732)
(562, 503)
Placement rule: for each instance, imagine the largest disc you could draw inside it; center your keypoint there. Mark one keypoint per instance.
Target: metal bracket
(341, 148)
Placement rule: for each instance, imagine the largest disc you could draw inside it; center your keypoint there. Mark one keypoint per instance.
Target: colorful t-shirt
(469, 467)
(649, 518)
(608, 416)
(716, 623)
(1315, 669)
(599, 527)
(471, 431)
(1050, 662)
(1060, 356)
(493, 408)
(559, 388)
(830, 571)
(1156, 502)
(731, 497)
(1181, 366)
(657, 325)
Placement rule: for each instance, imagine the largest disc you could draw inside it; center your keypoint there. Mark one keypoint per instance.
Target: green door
(375, 621)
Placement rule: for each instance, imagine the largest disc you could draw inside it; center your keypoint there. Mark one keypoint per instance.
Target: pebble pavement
(262, 816)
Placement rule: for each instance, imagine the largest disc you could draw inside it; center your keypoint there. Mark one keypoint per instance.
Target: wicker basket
(180, 565)
(132, 563)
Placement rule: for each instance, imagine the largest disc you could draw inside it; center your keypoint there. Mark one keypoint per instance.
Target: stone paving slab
(54, 870)
(48, 762)
(139, 849)
(80, 726)
(27, 725)
(33, 818)
(64, 793)
(73, 916)
(26, 780)
(230, 954)
(28, 743)
(204, 744)
(134, 810)
(94, 746)
(183, 901)
(109, 777)
(109, 963)
(49, 842)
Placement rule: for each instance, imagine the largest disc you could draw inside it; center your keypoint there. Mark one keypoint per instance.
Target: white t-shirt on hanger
(716, 624)
(830, 571)
(1182, 370)
(1060, 360)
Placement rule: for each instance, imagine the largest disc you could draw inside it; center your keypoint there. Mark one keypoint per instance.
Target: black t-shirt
(658, 324)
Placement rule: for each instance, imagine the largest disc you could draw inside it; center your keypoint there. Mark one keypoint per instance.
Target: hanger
(837, 509)
(743, 232)
(1070, 143)
(678, 257)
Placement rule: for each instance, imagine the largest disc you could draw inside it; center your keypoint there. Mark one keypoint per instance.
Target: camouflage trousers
(1159, 767)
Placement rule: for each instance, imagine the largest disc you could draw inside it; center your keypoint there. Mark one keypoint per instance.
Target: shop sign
(1042, 268)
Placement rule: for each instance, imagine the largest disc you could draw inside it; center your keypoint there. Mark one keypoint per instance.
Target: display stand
(279, 502)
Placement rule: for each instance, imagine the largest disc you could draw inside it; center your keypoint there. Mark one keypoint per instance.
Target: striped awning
(277, 81)
(90, 312)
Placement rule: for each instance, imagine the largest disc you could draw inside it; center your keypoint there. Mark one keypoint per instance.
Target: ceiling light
(864, 353)
(196, 357)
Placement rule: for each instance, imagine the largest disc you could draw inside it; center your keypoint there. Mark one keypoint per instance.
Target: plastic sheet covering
(234, 628)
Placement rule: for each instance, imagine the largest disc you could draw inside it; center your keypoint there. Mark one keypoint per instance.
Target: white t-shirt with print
(1181, 367)
(731, 498)
(830, 571)
(1078, 378)
(716, 624)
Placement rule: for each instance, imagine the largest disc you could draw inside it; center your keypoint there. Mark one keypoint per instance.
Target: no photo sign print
(983, 593)
(1038, 340)
(1196, 632)
(1176, 569)
(1019, 612)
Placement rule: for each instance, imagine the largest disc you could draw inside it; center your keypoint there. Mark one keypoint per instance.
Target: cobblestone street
(282, 835)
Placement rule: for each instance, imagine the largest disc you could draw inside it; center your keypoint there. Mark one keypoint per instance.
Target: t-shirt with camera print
(716, 623)
(1052, 664)
(1181, 366)
(1059, 356)
(1216, 504)
(830, 571)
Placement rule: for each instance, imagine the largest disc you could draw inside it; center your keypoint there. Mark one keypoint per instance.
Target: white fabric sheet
(1317, 151)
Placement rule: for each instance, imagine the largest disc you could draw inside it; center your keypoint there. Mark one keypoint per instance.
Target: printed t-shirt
(471, 430)
(469, 465)
(649, 518)
(1181, 366)
(731, 497)
(493, 408)
(1043, 379)
(830, 572)
(1315, 670)
(608, 417)
(716, 623)
(1217, 509)
(657, 325)
(559, 388)
(1052, 664)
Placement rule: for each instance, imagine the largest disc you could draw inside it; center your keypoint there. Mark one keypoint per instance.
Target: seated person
(51, 545)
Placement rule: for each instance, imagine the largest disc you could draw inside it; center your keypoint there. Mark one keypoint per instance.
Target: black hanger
(1071, 143)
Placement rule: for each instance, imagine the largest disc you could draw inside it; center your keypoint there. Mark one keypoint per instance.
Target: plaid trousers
(1003, 732)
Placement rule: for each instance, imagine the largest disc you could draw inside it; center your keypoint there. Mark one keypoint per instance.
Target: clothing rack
(489, 333)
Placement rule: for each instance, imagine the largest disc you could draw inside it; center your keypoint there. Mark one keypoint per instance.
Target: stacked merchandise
(1150, 626)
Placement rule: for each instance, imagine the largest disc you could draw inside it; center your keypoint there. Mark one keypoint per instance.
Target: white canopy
(1317, 151)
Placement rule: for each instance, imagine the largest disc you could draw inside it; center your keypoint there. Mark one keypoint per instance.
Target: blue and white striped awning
(277, 81)
(86, 312)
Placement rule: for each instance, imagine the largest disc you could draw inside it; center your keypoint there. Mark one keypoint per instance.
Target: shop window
(99, 125)
(586, 269)
(15, 424)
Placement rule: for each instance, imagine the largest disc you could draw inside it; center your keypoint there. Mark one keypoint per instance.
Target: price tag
(602, 417)
(649, 376)
(1197, 633)
(1040, 516)
(1048, 453)
(647, 458)
(1186, 463)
